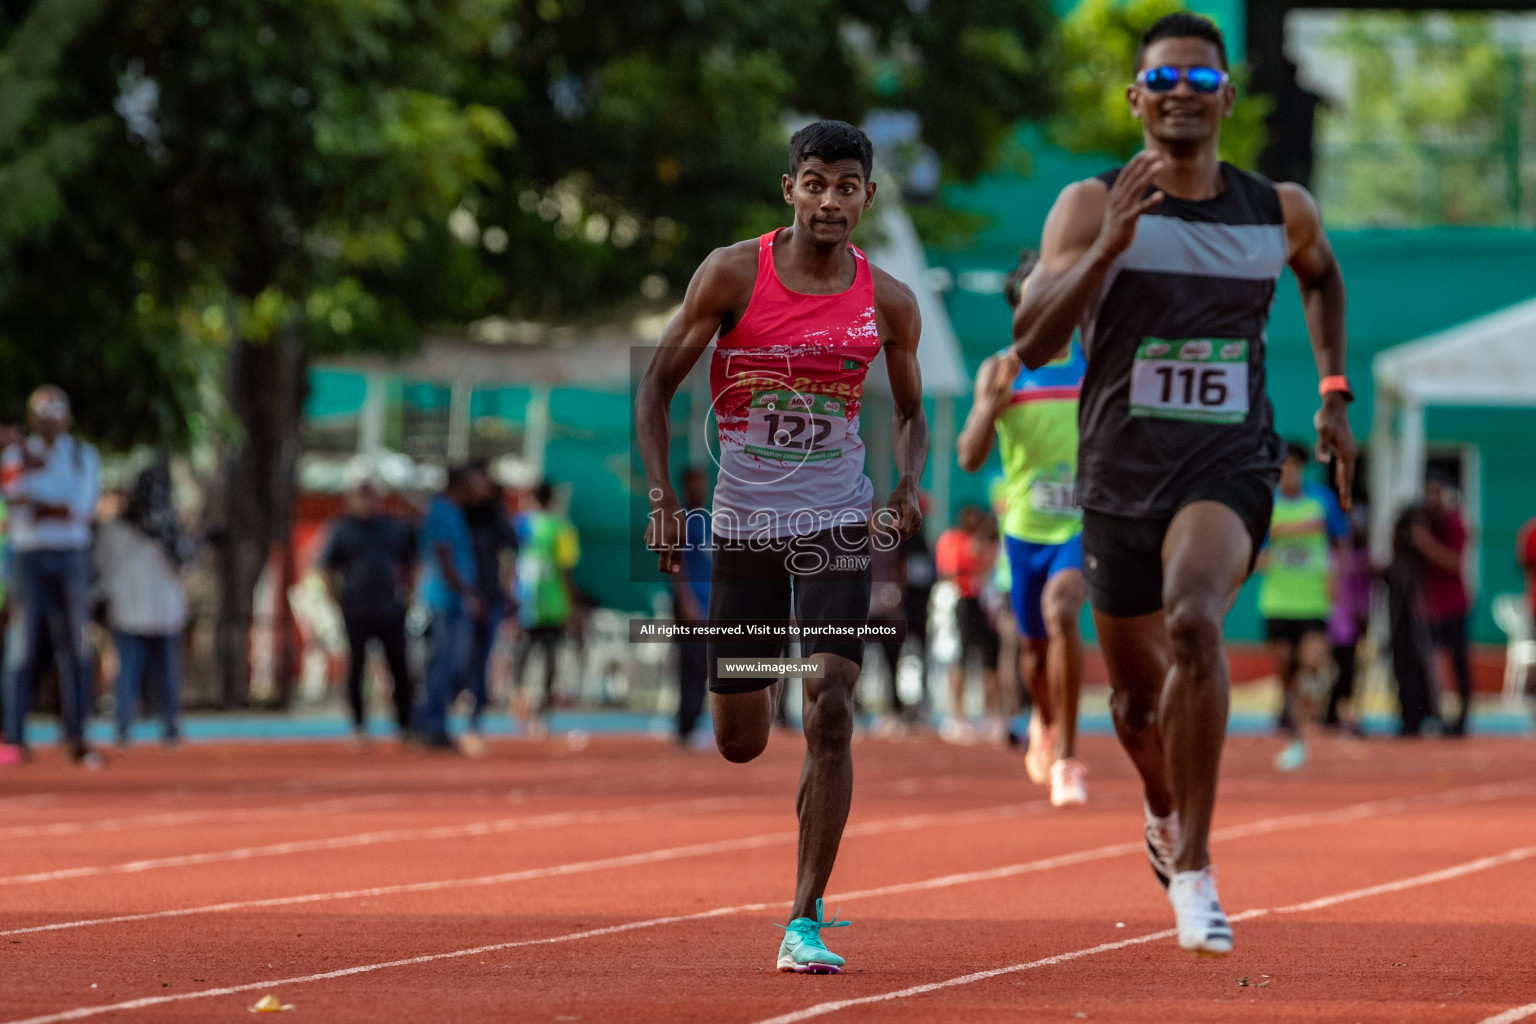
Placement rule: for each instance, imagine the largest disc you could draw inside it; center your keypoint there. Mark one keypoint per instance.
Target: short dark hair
(829, 141)
(1013, 284)
(1182, 25)
(544, 493)
(459, 476)
(1298, 452)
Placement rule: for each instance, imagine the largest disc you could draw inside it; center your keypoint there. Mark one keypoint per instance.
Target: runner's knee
(828, 714)
(1194, 629)
(1134, 710)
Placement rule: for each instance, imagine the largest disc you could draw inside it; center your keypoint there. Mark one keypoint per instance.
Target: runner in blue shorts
(1034, 413)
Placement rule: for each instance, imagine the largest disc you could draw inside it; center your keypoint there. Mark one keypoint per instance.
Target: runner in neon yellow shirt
(1295, 597)
(1034, 414)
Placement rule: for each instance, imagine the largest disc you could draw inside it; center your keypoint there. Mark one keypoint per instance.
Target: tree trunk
(255, 503)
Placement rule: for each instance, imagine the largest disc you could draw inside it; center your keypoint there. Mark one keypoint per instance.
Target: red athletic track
(682, 833)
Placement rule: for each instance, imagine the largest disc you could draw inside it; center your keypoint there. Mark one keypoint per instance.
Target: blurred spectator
(690, 594)
(1294, 596)
(885, 602)
(491, 533)
(140, 556)
(1405, 621)
(964, 556)
(1440, 538)
(9, 434)
(450, 590)
(50, 481)
(920, 574)
(1353, 574)
(368, 560)
(1525, 554)
(548, 549)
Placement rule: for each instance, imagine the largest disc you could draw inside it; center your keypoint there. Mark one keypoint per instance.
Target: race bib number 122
(1199, 379)
(792, 426)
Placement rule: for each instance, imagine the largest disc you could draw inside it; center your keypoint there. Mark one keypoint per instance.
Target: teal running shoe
(802, 950)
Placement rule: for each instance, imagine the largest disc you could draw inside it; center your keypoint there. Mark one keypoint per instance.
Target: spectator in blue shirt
(449, 590)
(50, 481)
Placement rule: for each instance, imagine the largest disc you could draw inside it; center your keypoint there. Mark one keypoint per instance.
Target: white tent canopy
(1489, 361)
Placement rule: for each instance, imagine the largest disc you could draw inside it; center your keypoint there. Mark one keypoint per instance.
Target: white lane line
(83, 1012)
(903, 824)
(396, 835)
(1353, 812)
(1512, 1015)
(174, 818)
(1458, 871)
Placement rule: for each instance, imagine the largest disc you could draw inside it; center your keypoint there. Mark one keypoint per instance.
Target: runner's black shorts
(823, 575)
(976, 632)
(1290, 631)
(1123, 555)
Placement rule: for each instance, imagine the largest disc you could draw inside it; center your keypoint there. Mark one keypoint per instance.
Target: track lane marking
(902, 824)
(497, 826)
(1511, 1015)
(1353, 812)
(209, 817)
(1445, 874)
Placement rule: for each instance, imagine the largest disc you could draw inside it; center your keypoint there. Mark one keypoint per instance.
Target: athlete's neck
(806, 264)
(1193, 173)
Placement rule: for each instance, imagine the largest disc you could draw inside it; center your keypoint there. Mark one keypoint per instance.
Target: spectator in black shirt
(368, 562)
(491, 534)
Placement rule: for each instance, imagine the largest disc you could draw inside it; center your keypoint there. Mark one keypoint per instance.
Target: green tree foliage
(650, 133)
(1427, 131)
(1098, 53)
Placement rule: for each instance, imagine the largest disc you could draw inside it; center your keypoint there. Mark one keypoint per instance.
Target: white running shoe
(1066, 783)
(1203, 926)
(1067, 787)
(1163, 836)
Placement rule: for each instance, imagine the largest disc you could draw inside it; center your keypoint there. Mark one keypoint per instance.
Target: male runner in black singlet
(1169, 266)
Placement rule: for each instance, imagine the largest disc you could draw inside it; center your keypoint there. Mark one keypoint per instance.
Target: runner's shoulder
(895, 302)
(729, 271)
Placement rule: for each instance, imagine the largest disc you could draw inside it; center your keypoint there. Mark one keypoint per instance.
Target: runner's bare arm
(1086, 229)
(901, 327)
(994, 387)
(720, 289)
(1322, 298)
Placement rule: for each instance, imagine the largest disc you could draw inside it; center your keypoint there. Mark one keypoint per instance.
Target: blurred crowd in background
(466, 594)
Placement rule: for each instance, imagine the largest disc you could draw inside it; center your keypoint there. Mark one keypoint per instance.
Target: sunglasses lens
(1162, 79)
(1204, 79)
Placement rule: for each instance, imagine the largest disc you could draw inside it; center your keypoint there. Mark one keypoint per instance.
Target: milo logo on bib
(1204, 380)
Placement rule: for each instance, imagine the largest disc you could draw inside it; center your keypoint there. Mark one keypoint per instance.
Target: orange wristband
(1336, 384)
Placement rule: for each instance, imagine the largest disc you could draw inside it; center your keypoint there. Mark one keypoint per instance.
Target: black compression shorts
(1123, 556)
(826, 575)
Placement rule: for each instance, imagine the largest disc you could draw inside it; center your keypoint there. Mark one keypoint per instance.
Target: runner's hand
(1127, 202)
(1003, 371)
(665, 532)
(901, 512)
(1334, 435)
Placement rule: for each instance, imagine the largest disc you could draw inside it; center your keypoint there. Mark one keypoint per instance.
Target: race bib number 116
(1199, 379)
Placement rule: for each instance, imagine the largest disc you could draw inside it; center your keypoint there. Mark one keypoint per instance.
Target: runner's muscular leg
(826, 780)
(743, 721)
(1206, 555)
(1136, 653)
(1062, 605)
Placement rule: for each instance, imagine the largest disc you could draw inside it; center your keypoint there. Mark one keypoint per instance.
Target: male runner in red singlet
(1169, 266)
(800, 313)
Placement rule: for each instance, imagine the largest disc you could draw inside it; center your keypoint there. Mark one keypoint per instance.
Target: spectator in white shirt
(50, 481)
(139, 557)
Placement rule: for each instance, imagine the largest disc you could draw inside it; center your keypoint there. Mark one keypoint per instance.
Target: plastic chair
(1514, 618)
